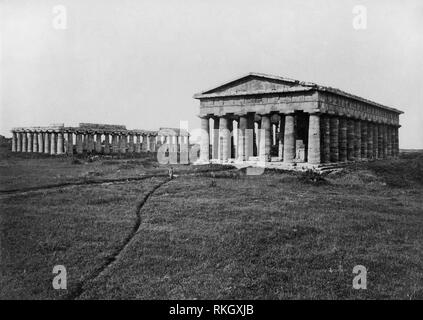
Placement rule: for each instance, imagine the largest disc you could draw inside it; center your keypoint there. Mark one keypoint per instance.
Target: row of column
(329, 139)
(39, 142)
(63, 142)
(246, 141)
(112, 143)
(347, 139)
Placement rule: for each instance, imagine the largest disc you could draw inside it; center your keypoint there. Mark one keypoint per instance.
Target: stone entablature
(300, 100)
(306, 100)
(102, 126)
(300, 95)
(335, 104)
(86, 129)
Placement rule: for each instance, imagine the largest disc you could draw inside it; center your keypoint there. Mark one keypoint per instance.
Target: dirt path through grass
(78, 183)
(74, 294)
(81, 227)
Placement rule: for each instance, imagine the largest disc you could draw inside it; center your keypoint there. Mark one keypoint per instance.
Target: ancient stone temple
(266, 119)
(92, 138)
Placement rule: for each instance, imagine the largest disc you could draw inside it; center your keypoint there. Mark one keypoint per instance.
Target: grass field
(280, 235)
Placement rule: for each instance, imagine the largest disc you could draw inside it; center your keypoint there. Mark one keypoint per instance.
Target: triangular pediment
(253, 83)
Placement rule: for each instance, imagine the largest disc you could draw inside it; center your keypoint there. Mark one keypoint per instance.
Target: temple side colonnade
(95, 139)
(262, 118)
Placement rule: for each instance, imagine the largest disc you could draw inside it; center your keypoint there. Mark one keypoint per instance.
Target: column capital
(275, 117)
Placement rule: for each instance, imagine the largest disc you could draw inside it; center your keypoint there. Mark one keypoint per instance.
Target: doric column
(223, 139)
(342, 139)
(19, 141)
(231, 139)
(148, 143)
(281, 134)
(173, 149)
(289, 139)
(115, 143)
(235, 139)
(53, 146)
(389, 144)
(393, 140)
(382, 153)
(90, 142)
(106, 143)
(205, 140)
(357, 141)
(40, 142)
(119, 142)
(257, 135)
(265, 139)
(274, 132)
(90, 146)
(249, 137)
(375, 141)
(60, 143)
(363, 139)
(24, 142)
(184, 154)
(137, 143)
(313, 151)
(174, 143)
(47, 142)
(97, 143)
(325, 138)
(215, 146)
(130, 143)
(241, 138)
(123, 141)
(69, 142)
(14, 141)
(396, 142)
(385, 141)
(144, 143)
(350, 140)
(152, 143)
(370, 140)
(30, 143)
(334, 139)
(79, 143)
(84, 141)
(380, 140)
(35, 142)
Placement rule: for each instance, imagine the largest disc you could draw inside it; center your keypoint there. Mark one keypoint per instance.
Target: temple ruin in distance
(94, 138)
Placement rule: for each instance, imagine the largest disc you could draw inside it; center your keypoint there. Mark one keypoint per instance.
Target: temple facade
(263, 119)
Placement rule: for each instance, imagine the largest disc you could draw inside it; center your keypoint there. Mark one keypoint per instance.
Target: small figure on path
(170, 173)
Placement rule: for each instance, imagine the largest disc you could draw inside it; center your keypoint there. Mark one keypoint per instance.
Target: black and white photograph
(228, 152)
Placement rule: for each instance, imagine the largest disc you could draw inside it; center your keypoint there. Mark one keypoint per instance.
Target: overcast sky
(139, 62)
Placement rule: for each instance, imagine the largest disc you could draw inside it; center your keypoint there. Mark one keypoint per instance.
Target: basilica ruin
(260, 119)
(94, 138)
